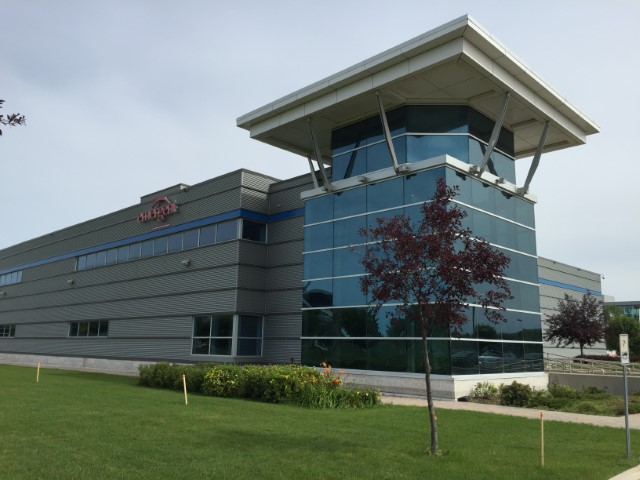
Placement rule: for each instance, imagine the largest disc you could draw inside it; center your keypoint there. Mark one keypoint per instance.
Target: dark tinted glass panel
(222, 326)
(255, 231)
(490, 357)
(101, 259)
(249, 347)
(532, 330)
(437, 118)
(347, 138)
(387, 322)
(175, 242)
(318, 265)
(373, 129)
(505, 234)
(347, 231)
(423, 147)
(318, 209)
(439, 356)
(400, 146)
(104, 329)
(528, 267)
(318, 323)
(94, 328)
(372, 219)
(421, 187)
(123, 254)
(350, 202)
(513, 357)
(91, 260)
(512, 327)
(346, 291)
(208, 235)
(135, 251)
(482, 127)
(524, 213)
(533, 357)
(200, 346)
(317, 293)
(461, 183)
(483, 196)
(378, 157)
(83, 329)
(73, 329)
(467, 329)
(112, 256)
(415, 214)
(147, 249)
(485, 328)
(505, 167)
(464, 357)
(220, 346)
(397, 120)
(484, 226)
(82, 264)
(347, 261)
(349, 165)
(526, 240)
(387, 355)
(318, 237)
(250, 326)
(505, 205)
(227, 231)
(350, 322)
(348, 354)
(387, 194)
(190, 239)
(202, 326)
(160, 246)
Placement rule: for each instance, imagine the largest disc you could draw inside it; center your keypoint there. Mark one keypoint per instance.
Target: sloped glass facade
(339, 327)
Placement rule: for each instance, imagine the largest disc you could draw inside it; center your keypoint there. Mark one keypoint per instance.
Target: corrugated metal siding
(250, 301)
(284, 277)
(252, 253)
(284, 301)
(151, 327)
(286, 230)
(252, 278)
(209, 301)
(257, 181)
(254, 200)
(43, 330)
(283, 326)
(282, 351)
(285, 253)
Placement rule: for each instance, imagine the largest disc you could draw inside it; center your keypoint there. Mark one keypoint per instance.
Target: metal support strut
(387, 134)
(316, 149)
(313, 173)
(536, 159)
(495, 133)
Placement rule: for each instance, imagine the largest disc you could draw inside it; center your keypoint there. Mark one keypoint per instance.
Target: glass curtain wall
(340, 328)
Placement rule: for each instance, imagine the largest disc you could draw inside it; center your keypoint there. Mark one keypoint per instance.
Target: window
(89, 329)
(11, 278)
(254, 231)
(7, 331)
(227, 335)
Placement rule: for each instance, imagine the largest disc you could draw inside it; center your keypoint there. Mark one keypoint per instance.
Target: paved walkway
(616, 422)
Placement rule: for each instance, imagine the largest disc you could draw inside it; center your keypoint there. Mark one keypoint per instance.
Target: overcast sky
(127, 97)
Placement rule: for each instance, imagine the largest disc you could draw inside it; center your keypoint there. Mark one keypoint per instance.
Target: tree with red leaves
(12, 119)
(434, 269)
(577, 321)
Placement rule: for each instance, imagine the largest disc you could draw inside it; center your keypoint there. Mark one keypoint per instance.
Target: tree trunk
(427, 378)
(581, 350)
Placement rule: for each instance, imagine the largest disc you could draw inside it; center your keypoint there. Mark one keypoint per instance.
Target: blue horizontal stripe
(567, 286)
(201, 222)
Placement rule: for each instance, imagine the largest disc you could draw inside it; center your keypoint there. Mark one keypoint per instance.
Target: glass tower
(337, 324)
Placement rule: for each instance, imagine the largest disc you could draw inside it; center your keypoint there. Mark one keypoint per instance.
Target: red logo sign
(160, 209)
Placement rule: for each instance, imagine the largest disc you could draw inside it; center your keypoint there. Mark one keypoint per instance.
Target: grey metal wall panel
(257, 180)
(285, 200)
(250, 302)
(251, 277)
(284, 277)
(184, 282)
(281, 326)
(285, 253)
(282, 351)
(286, 230)
(252, 253)
(254, 200)
(40, 330)
(284, 301)
(152, 327)
(186, 304)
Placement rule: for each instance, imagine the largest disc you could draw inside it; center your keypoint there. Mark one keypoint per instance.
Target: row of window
(447, 357)
(176, 242)
(89, 329)
(418, 188)
(7, 331)
(414, 148)
(229, 335)
(363, 322)
(10, 278)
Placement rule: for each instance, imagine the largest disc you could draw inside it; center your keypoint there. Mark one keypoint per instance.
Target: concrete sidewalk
(615, 422)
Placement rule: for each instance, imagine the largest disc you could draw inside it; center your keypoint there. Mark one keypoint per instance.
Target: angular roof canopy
(459, 62)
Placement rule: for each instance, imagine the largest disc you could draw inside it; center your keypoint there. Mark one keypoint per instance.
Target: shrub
(516, 394)
(484, 391)
(223, 381)
(562, 391)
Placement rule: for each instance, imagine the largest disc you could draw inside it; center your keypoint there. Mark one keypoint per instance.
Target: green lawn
(85, 426)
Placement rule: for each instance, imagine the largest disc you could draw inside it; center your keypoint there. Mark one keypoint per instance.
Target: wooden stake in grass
(541, 439)
(38, 374)
(184, 384)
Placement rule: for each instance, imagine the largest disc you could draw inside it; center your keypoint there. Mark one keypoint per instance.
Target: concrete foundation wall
(612, 384)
